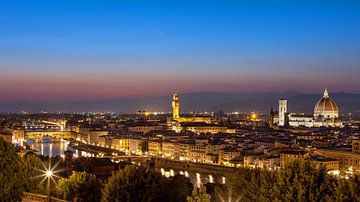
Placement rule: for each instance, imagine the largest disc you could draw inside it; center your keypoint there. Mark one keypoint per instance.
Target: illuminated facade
(174, 123)
(283, 112)
(348, 160)
(155, 147)
(326, 114)
(144, 128)
(120, 143)
(176, 107)
(205, 128)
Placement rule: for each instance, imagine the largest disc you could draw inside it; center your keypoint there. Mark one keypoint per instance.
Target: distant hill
(228, 102)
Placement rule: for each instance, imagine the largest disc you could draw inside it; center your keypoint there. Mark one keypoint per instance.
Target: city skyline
(81, 50)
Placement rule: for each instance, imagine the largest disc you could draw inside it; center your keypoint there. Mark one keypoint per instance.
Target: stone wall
(38, 197)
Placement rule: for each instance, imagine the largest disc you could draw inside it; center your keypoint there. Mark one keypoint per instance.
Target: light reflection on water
(57, 148)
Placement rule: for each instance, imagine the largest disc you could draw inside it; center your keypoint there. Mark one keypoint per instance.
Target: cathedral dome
(326, 107)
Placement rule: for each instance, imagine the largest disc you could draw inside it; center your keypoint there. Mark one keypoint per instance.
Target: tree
(132, 184)
(145, 184)
(31, 166)
(298, 181)
(11, 181)
(348, 189)
(80, 185)
(178, 188)
(199, 195)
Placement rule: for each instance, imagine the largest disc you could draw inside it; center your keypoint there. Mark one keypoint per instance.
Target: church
(326, 114)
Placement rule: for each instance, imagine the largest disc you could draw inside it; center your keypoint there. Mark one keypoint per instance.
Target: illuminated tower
(271, 118)
(283, 112)
(176, 106)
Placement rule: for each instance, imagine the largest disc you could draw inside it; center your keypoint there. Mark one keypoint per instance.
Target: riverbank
(96, 150)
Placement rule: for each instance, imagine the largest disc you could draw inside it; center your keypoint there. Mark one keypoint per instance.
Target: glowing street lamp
(49, 173)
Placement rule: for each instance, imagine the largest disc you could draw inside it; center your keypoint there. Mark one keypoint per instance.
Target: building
(288, 156)
(176, 107)
(200, 128)
(170, 149)
(330, 164)
(283, 113)
(183, 151)
(144, 128)
(175, 122)
(121, 143)
(155, 147)
(270, 163)
(18, 132)
(228, 155)
(348, 159)
(136, 145)
(93, 136)
(326, 114)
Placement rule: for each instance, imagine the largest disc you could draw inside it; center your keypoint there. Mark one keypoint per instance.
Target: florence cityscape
(179, 101)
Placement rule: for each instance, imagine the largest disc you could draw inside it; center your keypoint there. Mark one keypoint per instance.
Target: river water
(57, 148)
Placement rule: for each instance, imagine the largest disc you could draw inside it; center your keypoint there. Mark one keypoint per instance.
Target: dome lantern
(326, 93)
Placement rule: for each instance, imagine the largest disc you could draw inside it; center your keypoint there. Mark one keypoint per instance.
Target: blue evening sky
(96, 49)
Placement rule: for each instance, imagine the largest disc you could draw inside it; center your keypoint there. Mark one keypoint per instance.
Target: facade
(291, 155)
(176, 107)
(170, 149)
(155, 147)
(123, 143)
(331, 164)
(326, 114)
(19, 132)
(144, 129)
(204, 128)
(176, 121)
(227, 155)
(282, 112)
(348, 160)
(270, 163)
(94, 135)
(136, 145)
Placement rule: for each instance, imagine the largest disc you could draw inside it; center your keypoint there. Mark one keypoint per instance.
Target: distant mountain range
(198, 102)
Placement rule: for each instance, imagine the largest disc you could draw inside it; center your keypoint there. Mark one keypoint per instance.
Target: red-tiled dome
(326, 106)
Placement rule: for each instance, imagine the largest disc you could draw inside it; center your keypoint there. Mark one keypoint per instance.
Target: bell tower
(175, 106)
(283, 112)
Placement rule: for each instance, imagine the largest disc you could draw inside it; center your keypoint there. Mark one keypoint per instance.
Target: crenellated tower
(175, 106)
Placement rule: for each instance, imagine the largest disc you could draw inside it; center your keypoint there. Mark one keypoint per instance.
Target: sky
(72, 50)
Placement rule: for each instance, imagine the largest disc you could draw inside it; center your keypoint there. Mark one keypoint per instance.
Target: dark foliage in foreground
(80, 185)
(11, 178)
(299, 181)
(144, 184)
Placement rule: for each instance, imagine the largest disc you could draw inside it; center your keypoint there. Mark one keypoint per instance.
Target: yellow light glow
(49, 173)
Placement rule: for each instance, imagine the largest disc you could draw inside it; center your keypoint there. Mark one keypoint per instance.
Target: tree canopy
(199, 195)
(31, 165)
(144, 184)
(80, 185)
(11, 178)
(298, 181)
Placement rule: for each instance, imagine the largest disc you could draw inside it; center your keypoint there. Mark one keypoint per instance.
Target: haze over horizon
(64, 51)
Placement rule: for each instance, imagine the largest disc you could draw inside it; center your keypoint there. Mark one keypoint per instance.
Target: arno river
(56, 148)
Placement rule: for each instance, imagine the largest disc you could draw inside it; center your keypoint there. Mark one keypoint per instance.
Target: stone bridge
(198, 173)
(38, 135)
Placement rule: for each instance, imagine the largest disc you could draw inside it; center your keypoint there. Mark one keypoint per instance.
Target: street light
(49, 173)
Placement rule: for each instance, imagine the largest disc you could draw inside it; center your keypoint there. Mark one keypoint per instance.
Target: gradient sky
(65, 50)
